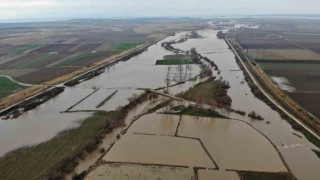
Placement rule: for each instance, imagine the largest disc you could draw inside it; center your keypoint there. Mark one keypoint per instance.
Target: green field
(40, 161)
(174, 61)
(8, 87)
(26, 48)
(74, 59)
(125, 45)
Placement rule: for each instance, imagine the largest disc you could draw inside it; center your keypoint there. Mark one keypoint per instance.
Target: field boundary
(267, 95)
(47, 87)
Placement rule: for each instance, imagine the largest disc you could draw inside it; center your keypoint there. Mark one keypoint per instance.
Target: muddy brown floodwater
(280, 133)
(157, 137)
(46, 121)
(233, 144)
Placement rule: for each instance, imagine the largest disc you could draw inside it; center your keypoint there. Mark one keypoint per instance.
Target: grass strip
(46, 159)
(175, 61)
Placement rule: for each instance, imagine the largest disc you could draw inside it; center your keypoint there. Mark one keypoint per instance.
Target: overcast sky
(40, 9)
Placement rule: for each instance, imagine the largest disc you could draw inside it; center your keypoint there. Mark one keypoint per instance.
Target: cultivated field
(266, 43)
(9, 87)
(40, 52)
(280, 55)
(288, 49)
(176, 145)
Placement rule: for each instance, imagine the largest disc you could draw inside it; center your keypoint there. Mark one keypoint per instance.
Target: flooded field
(163, 150)
(278, 130)
(119, 99)
(157, 124)
(139, 72)
(233, 144)
(140, 172)
(224, 175)
(154, 140)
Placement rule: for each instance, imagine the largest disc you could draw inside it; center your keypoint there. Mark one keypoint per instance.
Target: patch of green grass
(175, 61)
(204, 92)
(193, 111)
(264, 176)
(8, 87)
(32, 62)
(40, 161)
(176, 56)
(26, 48)
(126, 45)
(73, 59)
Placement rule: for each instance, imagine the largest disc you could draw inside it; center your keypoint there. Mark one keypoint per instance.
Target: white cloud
(108, 8)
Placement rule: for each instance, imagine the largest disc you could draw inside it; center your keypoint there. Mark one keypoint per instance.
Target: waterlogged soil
(164, 150)
(222, 175)
(277, 130)
(159, 124)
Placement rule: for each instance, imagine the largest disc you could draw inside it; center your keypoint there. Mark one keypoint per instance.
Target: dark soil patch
(266, 44)
(60, 48)
(44, 75)
(313, 46)
(264, 176)
(87, 47)
(309, 101)
(258, 33)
